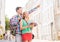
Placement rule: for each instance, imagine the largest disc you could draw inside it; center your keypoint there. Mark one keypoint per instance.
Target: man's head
(19, 10)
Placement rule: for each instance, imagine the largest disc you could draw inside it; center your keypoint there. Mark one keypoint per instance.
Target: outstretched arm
(34, 9)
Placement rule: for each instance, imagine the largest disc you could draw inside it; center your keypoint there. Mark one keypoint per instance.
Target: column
(2, 14)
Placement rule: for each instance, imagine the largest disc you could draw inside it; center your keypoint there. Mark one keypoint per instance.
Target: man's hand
(38, 6)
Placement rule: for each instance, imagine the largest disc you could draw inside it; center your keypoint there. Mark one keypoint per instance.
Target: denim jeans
(18, 38)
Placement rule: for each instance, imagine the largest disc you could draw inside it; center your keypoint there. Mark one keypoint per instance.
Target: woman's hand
(31, 25)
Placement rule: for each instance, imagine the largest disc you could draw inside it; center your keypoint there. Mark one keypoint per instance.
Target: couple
(23, 29)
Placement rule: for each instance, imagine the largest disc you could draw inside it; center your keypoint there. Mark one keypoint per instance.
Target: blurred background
(47, 16)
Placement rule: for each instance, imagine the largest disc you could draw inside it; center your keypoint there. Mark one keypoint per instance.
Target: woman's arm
(21, 27)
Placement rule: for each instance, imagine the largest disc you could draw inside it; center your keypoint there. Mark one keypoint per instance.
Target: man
(14, 21)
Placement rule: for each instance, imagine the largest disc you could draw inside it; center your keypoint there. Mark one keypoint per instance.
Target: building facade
(2, 14)
(47, 16)
(57, 17)
(44, 16)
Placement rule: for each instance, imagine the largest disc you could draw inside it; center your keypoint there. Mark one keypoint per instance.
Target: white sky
(10, 6)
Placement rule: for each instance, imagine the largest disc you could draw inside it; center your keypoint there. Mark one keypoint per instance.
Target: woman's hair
(23, 15)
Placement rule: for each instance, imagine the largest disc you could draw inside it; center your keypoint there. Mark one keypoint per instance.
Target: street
(34, 40)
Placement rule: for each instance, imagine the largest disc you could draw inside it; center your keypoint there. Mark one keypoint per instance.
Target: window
(58, 1)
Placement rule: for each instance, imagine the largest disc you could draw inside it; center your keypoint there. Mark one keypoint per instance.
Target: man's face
(19, 11)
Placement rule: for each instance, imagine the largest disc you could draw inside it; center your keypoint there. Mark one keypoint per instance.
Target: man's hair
(17, 8)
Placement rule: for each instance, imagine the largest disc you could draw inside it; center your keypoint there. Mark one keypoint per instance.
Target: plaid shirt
(14, 21)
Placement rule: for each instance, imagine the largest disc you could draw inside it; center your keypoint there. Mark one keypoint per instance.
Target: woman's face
(26, 15)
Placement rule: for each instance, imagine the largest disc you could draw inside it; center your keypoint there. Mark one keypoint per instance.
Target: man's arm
(34, 9)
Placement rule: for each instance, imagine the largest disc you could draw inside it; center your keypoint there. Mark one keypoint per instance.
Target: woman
(26, 28)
